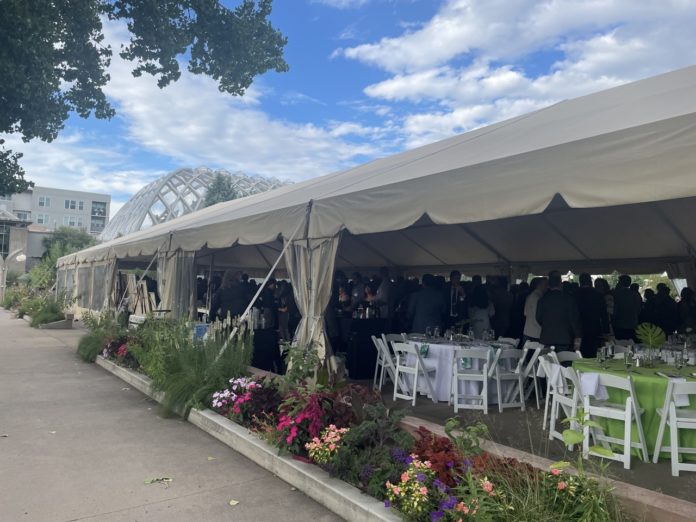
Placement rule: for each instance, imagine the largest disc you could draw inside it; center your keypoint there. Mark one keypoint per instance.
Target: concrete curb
(334, 494)
(340, 497)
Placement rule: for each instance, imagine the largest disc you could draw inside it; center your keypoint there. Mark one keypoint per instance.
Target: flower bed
(347, 431)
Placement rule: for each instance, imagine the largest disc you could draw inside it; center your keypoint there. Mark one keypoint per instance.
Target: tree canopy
(68, 240)
(53, 59)
(220, 190)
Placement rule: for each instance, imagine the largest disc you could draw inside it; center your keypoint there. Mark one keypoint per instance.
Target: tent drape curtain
(176, 282)
(310, 265)
(110, 284)
(683, 270)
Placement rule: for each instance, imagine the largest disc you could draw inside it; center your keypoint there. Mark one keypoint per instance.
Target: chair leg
(521, 389)
(641, 434)
(485, 396)
(627, 435)
(536, 390)
(586, 431)
(396, 383)
(546, 404)
(660, 435)
(415, 387)
(674, 444)
(552, 418)
(500, 395)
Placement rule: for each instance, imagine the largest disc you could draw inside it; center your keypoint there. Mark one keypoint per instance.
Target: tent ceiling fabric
(623, 146)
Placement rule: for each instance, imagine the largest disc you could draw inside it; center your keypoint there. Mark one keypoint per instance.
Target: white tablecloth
(443, 354)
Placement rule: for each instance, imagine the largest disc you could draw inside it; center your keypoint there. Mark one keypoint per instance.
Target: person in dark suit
(426, 306)
(456, 300)
(557, 314)
(593, 316)
(231, 297)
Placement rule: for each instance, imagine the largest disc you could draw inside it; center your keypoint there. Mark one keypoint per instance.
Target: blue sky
(367, 78)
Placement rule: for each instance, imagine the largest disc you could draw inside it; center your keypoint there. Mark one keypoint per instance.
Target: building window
(97, 224)
(70, 204)
(23, 216)
(42, 219)
(44, 201)
(4, 240)
(80, 205)
(98, 208)
(73, 221)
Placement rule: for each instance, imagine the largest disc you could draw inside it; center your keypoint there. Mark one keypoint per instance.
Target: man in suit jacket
(557, 314)
(594, 319)
(426, 306)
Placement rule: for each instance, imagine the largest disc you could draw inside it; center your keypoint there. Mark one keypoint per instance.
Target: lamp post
(3, 269)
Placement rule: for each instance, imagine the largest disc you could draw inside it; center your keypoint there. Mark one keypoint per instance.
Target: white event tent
(601, 182)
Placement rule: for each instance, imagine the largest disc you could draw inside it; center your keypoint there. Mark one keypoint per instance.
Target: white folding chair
(507, 370)
(463, 362)
(530, 369)
(565, 356)
(410, 362)
(629, 413)
(567, 399)
(681, 418)
(385, 364)
(509, 340)
(394, 338)
(683, 413)
(546, 363)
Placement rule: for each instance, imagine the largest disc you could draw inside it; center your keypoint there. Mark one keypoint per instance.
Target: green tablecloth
(650, 393)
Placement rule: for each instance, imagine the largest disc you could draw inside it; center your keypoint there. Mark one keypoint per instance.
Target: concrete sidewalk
(80, 445)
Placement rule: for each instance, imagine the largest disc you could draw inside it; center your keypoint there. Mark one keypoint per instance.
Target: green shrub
(91, 345)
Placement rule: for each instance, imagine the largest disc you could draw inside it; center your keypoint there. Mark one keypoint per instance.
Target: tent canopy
(605, 180)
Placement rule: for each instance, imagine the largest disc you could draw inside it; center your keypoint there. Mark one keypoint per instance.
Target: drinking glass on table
(436, 332)
(628, 360)
(428, 331)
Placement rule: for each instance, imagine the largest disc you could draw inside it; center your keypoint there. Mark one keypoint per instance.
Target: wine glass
(428, 331)
(678, 361)
(436, 332)
(628, 360)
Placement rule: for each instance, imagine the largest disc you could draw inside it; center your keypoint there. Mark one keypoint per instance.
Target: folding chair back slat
(417, 369)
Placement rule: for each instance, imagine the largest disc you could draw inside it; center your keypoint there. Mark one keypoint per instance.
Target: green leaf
(601, 451)
(592, 424)
(572, 437)
(561, 464)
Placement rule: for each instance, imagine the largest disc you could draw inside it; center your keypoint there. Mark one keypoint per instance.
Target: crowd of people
(549, 310)
(232, 293)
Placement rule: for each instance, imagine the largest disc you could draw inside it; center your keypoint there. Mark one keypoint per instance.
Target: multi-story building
(53, 208)
(26, 218)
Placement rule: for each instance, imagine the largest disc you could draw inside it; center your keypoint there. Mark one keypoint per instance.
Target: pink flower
(561, 485)
(396, 490)
(332, 446)
(423, 490)
(404, 477)
(462, 508)
(556, 472)
(487, 486)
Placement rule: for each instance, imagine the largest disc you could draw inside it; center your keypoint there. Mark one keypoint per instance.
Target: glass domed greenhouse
(176, 194)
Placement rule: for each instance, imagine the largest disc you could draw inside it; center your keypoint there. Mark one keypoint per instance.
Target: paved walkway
(80, 445)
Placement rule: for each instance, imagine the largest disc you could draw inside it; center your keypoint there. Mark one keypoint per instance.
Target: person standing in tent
(456, 299)
(480, 312)
(593, 316)
(426, 306)
(532, 329)
(557, 314)
(627, 307)
(231, 297)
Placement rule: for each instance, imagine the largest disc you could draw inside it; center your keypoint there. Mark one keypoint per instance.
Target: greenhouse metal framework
(175, 194)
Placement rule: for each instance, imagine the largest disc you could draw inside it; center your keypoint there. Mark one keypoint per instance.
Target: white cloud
(469, 64)
(193, 123)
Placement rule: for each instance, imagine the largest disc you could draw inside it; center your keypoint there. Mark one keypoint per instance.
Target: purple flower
(467, 464)
(448, 503)
(439, 485)
(420, 477)
(387, 504)
(398, 455)
(450, 464)
(366, 473)
(409, 459)
(436, 515)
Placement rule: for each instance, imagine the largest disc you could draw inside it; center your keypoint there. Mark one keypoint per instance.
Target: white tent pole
(258, 291)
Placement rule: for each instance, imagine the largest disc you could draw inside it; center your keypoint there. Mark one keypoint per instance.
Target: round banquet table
(443, 354)
(650, 392)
